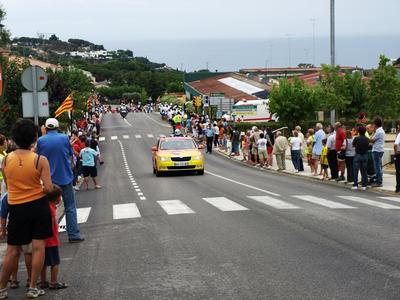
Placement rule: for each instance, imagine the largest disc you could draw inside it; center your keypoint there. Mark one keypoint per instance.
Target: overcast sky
(105, 21)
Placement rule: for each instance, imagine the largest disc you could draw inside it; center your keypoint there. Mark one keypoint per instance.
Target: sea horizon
(229, 54)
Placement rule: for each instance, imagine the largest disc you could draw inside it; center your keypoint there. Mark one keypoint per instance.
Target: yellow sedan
(173, 154)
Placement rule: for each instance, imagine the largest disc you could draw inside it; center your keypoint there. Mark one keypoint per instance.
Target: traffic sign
(28, 77)
(28, 107)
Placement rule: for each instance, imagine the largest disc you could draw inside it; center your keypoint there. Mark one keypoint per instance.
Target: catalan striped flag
(67, 105)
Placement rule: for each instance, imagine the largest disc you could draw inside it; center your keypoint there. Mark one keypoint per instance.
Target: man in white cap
(56, 148)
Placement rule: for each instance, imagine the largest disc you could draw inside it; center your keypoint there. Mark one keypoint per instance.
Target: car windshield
(177, 145)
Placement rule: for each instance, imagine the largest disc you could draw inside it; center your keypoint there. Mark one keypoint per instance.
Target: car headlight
(163, 158)
(197, 157)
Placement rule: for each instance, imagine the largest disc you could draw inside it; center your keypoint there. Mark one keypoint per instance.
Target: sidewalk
(389, 180)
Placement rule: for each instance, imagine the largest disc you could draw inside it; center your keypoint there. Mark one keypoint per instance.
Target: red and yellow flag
(67, 105)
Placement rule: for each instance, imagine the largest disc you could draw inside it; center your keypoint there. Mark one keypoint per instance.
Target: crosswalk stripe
(125, 211)
(370, 202)
(82, 217)
(322, 202)
(114, 137)
(138, 136)
(102, 139)
(150, 136)
(175, 207)
(395, 199)
(224, 204)
(276, 203)
(125, 137)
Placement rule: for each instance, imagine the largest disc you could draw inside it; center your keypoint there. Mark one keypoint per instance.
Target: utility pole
(333, 63)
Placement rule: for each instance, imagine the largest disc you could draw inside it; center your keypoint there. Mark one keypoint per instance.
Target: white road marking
(127, 122)
(395, 199)
(82, 217)
(225, 204)
(370, 202)
(142, 198)
(150, 136)
(114, 137)
(138, 136)
(140, 194)
(242, 184)
(159, 123)
(322, 202)
(125, 211)
(125, 137)
(102, 139)
(137, 190)
(175, 207)
(275, 203)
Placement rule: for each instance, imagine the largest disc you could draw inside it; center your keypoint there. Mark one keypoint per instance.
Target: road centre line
(127, 122)
(159, 123)
(242, 184)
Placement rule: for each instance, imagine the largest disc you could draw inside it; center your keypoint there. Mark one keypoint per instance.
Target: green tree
(332, 92)
(357, 95)
(4, 32)
(292, 101)
(10, 101)
(63, 82)
(385, 91)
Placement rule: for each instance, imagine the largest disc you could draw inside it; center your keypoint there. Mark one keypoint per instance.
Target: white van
(253, 111)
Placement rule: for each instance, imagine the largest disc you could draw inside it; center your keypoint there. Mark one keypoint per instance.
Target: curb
(288, 173)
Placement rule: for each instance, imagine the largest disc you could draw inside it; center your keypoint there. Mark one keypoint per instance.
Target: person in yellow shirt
(324, 161)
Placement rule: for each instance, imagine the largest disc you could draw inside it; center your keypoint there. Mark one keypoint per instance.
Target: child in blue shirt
(88, 159)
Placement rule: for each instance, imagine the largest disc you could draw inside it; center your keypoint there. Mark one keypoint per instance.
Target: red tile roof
(212, 85)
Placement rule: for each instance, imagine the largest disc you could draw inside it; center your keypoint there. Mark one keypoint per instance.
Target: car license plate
(181, 164)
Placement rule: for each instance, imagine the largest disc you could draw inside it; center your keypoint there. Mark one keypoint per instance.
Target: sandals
(98, 187)
(58, 286)
(44, 285)
(34, 293)
(14, 284)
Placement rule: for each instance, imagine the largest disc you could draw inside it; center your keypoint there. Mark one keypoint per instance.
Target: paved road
(234, 233)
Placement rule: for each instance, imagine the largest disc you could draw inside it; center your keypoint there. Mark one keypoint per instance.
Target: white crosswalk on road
(125, 137)
(125, 211)
(275, 203)
(322, 202)
(138, 136)
(370, 202)
(225, 204)
(175, 207)
(102, 139)
(114, 138)
(82, 217)
(150, 136)
(395, 199)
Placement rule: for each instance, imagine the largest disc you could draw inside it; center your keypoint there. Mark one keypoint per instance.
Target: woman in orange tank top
(28, 180)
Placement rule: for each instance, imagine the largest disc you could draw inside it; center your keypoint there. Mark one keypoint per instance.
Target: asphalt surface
(349, 250)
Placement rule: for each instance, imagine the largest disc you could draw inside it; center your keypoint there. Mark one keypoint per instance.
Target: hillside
(120, 74)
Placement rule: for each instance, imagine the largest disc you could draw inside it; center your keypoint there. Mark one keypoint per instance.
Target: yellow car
(173, 154)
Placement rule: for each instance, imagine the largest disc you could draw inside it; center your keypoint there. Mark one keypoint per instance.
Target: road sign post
(34, 79)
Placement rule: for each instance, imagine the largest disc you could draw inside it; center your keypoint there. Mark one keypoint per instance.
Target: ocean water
(235, 54)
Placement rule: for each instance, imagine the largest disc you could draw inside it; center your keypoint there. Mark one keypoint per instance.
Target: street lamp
(333, 112)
